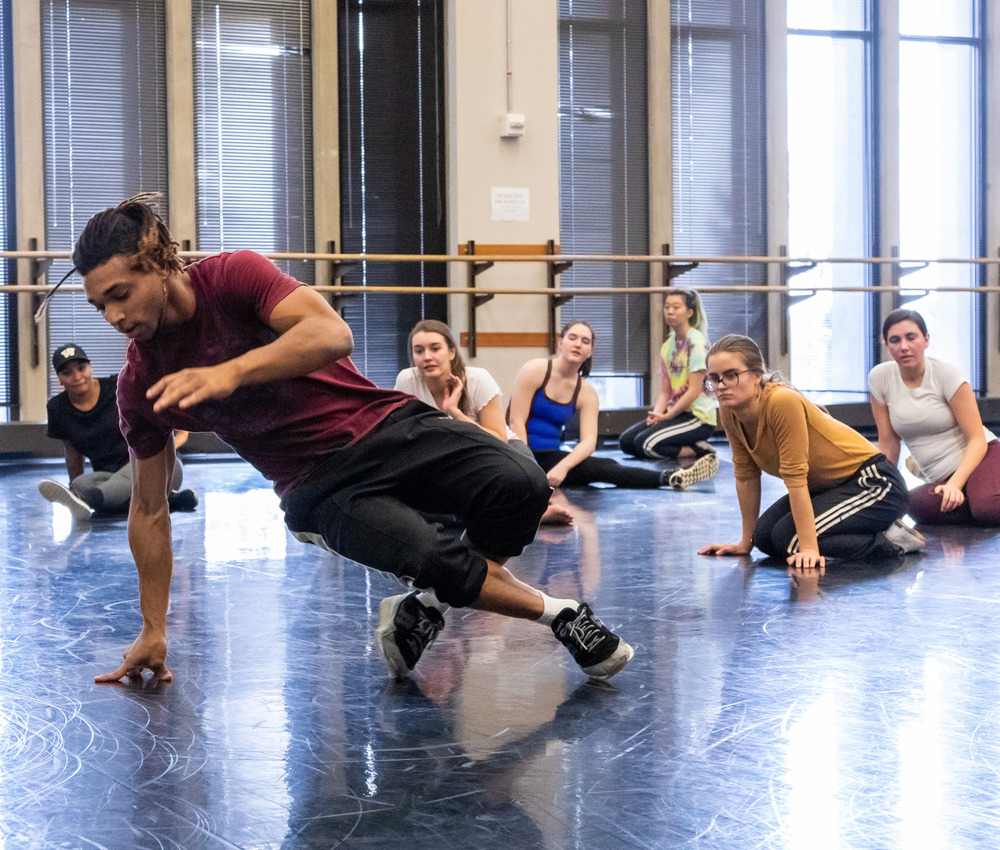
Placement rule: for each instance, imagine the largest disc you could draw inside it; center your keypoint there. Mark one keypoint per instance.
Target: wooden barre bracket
(502, 339)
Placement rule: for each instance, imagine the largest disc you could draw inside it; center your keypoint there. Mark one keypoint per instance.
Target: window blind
(603, 167)
(253, 127)
(104, 114)
(720, 173)
(392, 169)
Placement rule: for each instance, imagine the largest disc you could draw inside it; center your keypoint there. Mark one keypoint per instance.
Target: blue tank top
(547, 418)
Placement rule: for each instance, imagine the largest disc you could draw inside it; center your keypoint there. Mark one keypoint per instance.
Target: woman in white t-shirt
(930, 405)
(440, 378)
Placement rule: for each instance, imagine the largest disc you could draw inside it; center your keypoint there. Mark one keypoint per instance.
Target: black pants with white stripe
(850, 516)
(664, 439)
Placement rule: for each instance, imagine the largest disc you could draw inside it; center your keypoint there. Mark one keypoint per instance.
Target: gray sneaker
(701, 470)
(904, 538)
(406, 628)
(57, 493)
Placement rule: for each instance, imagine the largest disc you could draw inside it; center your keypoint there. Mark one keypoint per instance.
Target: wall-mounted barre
(729, 259)
(479, 258)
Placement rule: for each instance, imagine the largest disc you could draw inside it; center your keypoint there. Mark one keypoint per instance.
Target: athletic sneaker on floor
(406, 628)
(182, 500)
(57, 493)
(905, 539)
(598, 650)
(702, 469)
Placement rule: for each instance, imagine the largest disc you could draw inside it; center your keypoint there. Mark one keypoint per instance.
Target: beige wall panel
(479, 159)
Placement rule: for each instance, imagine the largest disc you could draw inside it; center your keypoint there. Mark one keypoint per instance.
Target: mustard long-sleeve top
(795, 441)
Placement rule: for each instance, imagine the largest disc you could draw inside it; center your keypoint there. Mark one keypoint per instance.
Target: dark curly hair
(131, 229)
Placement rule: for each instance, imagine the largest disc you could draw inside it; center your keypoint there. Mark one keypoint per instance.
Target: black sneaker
(599, 651)
(182, 500)
(406, 628)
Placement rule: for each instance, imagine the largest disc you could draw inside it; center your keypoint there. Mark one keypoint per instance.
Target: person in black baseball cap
(85, 417)
(67, 354)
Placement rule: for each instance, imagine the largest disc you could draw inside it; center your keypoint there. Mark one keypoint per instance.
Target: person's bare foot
(557, 515)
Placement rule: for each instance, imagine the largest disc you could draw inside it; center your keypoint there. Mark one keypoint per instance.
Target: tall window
(830, 191)
(8, 235)
(253, 127)
(834, 185)
(940, 136)
(391, 169)
(603, 193)
(720, 188)
(105, 138)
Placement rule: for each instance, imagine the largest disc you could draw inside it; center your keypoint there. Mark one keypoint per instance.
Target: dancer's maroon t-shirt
(284, 428)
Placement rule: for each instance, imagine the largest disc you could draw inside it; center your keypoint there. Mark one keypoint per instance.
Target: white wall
(479, 159)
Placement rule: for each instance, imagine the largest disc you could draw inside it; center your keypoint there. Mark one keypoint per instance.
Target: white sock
(554, 607)
(429, 600)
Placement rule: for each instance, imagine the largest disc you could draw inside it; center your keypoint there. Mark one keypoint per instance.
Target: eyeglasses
(727, 379)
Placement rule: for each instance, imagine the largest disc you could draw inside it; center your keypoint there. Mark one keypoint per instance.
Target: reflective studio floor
(859, 711)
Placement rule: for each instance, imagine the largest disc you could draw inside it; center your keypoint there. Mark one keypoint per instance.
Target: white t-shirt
(922, 417)
(479, 384)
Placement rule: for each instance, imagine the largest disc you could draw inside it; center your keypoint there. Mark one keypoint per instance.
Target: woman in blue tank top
(547, 394)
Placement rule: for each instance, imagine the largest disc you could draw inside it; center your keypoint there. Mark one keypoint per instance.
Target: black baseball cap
(65, 353)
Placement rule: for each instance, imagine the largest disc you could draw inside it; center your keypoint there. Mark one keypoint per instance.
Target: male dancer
(230, 344)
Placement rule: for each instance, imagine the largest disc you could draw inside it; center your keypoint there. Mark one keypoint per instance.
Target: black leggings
(850, 516)
(592, 470)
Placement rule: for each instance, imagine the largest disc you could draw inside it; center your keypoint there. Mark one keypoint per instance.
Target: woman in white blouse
(931, 407)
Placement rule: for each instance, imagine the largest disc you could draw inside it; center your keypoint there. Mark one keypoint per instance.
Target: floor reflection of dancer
(84, 416)
(571, 557)
(844, 498)
(547, 394)
(232, 345)
(440, 378)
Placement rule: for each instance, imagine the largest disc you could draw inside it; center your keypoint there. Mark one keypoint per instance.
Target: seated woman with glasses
(548, 393)
(845, 500)
(683, 417)
(931, 406)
